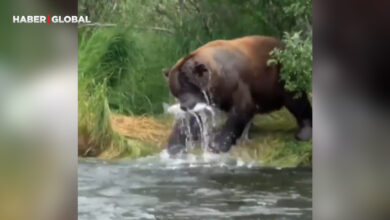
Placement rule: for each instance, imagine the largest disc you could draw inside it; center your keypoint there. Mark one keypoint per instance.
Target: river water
(195, 187)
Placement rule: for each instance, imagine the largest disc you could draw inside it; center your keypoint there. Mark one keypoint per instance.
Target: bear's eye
(199, 70)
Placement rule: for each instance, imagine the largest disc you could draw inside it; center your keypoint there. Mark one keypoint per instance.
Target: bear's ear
(200, 69)
(166, 72)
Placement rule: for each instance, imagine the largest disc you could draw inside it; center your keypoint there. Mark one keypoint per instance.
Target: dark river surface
(196, 187)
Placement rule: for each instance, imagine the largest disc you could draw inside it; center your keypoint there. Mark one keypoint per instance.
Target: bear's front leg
(230, 132)
(240, 115)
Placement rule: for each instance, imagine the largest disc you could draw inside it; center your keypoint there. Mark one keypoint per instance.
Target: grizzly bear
(233, 76)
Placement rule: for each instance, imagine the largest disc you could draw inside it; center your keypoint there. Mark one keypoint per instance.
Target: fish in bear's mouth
(199, 107)
(177, 111)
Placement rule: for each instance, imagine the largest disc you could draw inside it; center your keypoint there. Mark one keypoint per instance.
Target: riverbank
(271, 140)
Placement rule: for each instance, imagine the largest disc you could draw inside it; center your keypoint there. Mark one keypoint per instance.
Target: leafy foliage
(296, 56)
(296, 59)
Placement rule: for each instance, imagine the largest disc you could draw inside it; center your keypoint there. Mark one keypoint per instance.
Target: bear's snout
(184, 108)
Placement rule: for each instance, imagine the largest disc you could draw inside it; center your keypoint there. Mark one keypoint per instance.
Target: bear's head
(189, 81)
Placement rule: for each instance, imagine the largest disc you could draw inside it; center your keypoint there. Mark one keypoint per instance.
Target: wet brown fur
(252, 83)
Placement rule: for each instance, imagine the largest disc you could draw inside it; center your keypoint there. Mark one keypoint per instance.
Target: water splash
(206, 97)
(190, 144)
(205, 117)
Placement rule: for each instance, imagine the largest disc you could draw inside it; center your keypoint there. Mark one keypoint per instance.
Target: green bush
(296, 59)
(296, 56)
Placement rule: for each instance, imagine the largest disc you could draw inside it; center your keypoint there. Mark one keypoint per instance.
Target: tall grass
(134, 84)
(93, 121)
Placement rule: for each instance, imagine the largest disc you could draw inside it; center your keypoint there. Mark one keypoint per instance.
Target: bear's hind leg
(302, 110)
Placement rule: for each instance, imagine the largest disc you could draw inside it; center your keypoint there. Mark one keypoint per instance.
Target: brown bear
(233, 75)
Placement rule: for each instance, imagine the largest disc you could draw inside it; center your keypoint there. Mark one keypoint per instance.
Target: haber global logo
(55, 19)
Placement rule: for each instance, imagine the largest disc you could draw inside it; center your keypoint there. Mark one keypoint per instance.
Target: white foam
(164, 155)
(240, 162)
(175, 110)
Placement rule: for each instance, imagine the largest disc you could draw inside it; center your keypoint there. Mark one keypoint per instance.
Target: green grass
(272, 142)
(133, 78)
(115, 75)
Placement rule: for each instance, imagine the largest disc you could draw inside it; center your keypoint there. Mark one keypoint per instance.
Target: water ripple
(191, 187)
